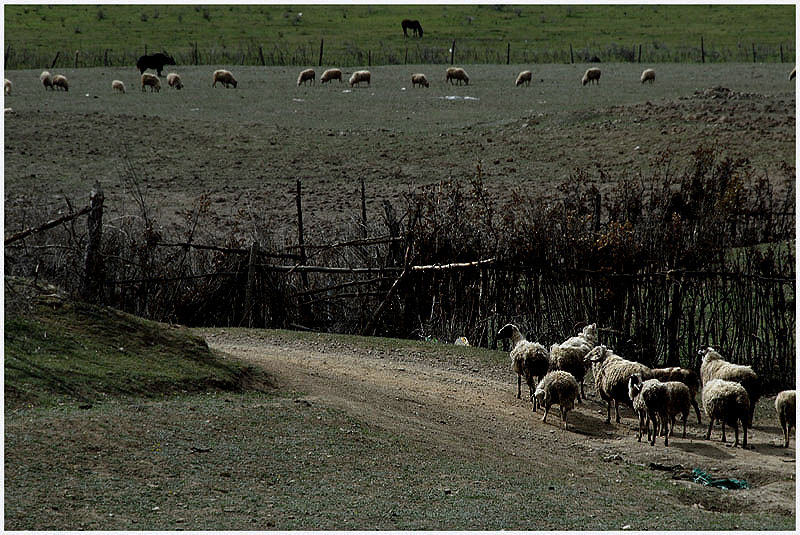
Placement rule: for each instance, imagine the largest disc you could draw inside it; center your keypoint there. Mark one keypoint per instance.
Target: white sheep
(59, 80)
(635, 387)
(47, 80)
(174, 80)
(591, 75)
(569, 354)
(687, 377)
(611, 374)
(648, 75)
(461, 341)
(678, 402)
(152, 81)
(224, 77)
(528, 359)
(728, 402)
(714, 367)
(117, 86)
(7, 86)
(358, 77)
(331, 74)
(456, 73)
(785, 407)
(557, 387)
(305, 76)
(419, 79)
(524, 77)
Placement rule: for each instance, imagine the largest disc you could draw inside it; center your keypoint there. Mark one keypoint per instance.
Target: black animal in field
(412, 25)
(155, 62)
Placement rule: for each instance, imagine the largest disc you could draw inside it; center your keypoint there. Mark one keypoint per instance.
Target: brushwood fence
(660, 318)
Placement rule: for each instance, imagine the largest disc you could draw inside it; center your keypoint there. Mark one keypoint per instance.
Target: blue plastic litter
(727, 483)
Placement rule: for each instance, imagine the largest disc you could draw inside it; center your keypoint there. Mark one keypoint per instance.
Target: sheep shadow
(704, 449)
(588, 425)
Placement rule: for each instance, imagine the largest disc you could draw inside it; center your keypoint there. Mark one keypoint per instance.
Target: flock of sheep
(658, 395)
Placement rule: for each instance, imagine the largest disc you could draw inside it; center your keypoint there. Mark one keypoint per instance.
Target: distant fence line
(414, 52)
(655, 317)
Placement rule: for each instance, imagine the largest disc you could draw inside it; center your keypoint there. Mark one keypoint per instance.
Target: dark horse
(412, 25)
(155, 62)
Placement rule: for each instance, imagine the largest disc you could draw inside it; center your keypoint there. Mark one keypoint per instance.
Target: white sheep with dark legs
(60, 81)
(648, 75)
(419, 79)
(224, 77)
(456, 73)
(307, 75)
(785, 407)
(152, 81)
(524, 78)
(557, 387)
(591, 75)
(569, 355)
(611, 373)
(714, 367)
(117, 86)
(635, 387)
(360, 76)
(687, 377)
(47, 80)
(528, 359)
(331, 74)
(728, 402)
(174, 80)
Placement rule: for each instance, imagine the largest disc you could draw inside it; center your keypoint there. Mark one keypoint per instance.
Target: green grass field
(353, 33)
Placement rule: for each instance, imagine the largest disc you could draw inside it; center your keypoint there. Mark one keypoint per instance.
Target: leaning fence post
(251, 278)
(571, 57)
(91, 285)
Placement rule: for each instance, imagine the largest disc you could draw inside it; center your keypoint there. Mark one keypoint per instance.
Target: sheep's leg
(564, 417)
(616, 409)
(723, 429)
(581, 395)
(785, 432)
(519, 386)
(696, 410)
(608, 413)
(546, 410)
(710, 425)
(639, 437)
(685, 417)
(668, 432)
(736, 434)
(655, 421)
(744, 432)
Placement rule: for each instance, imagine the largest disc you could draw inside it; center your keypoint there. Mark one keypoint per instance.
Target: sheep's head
(507, 331)
(596, 355)
(709, 354)
(541, 396)
(590, 332)
(634, 385)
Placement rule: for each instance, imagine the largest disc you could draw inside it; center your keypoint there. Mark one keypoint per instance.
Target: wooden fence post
(302, 247)
(363, 208)
(251, 279)
(53, 64)
(754, 52)
(508, 54)
(78, 52)
(640, 53)
(452, 51)
(321, 43)
(92, 283)
(261, 55)
(369, 58)
(571, 57)
(8, 51)
(405, 61)
(702, 50)
(673, 320)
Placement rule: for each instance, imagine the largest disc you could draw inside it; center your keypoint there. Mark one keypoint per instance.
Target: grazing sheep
(59, 80)
(678, 402)
(527, 358)
(152, 81)
(358, 77)
(224, 77)
(456, 73)
(305, 76)
(174, 80)
(569, 355)
(419, 79)
(728, 402)
(591, 75)
(331, 74)
(611, 374)
(687, 377)
(7, 86)
(635, 387)
(117, 86)
(524, 77)
(648, 75)
(785, 406)
(714, 367)
(792, 74)
(557, 387)
(47, 79)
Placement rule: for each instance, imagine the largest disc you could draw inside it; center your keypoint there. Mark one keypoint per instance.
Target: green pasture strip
(64, 350)
(355, 33)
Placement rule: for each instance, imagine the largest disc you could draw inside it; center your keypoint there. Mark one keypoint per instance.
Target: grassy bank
(356, 34)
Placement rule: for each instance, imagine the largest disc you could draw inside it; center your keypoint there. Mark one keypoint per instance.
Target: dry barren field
(242, 149)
